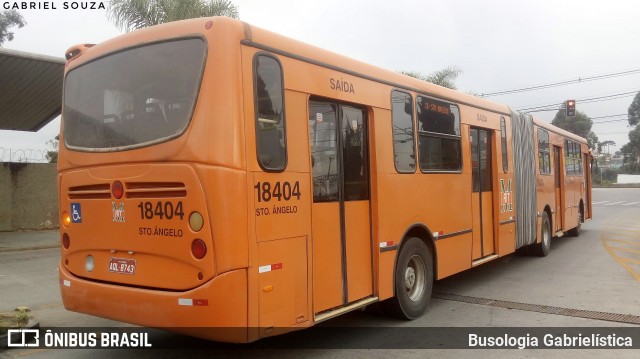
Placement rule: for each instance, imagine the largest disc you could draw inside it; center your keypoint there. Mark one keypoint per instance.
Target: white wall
(624, 179)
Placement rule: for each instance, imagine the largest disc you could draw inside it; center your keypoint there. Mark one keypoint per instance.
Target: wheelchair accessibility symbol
(76, 213)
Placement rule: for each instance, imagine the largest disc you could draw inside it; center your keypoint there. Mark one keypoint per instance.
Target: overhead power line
(622, 114)
(562, 83)
(599, 122)
(556, 106)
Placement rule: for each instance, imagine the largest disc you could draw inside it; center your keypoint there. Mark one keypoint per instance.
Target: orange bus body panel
(327, 274)
(358, 250)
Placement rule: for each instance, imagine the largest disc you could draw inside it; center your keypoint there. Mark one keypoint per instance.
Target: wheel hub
(414, 278)
(409, 278)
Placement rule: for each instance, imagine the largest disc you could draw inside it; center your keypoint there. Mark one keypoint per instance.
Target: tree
(580, 124)
(445, 77)
(9, 19)
(634, 111)
(52, 156)
(130, 15)
(607, 144)
(631, 150)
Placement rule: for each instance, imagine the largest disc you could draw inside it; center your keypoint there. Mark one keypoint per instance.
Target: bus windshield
(133, 98)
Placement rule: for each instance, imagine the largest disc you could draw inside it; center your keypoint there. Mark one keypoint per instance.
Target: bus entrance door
(482, 194)
(558, 174)
(341, 226)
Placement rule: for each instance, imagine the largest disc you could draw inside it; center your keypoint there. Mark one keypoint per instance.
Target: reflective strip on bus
(193, 302)
(269, 267)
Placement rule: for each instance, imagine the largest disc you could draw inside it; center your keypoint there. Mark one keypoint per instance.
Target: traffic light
(570, 108)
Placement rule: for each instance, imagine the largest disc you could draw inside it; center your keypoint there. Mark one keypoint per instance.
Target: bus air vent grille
(93, 191)
(155, 189)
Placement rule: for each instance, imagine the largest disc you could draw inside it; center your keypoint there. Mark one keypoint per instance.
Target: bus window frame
(545, 152)
(149, 143)
(413, 132)
(256, 115)
(504, 146)
(437, 134)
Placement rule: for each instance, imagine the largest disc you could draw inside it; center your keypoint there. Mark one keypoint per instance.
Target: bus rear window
(134, 97)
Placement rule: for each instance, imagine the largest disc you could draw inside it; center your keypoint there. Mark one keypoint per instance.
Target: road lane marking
(630, 203)
(614, 203)
(630, 243)
(629, 250)
(613, 234)
(600, 202)
(626, 234)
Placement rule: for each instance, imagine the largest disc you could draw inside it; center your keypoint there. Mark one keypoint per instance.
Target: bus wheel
(542, 249)
(413, 280)
(574, 232)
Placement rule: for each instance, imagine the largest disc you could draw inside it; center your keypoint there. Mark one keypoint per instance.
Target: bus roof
(558, 130)
(269, 41)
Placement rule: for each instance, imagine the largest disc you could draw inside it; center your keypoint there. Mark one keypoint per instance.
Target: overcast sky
(499, 45)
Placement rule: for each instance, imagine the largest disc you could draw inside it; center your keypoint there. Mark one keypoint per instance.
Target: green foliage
(9, 19)
(630, 168)
(13, 319)
(606, 145)
(631, 150)
(634, 111)
(445, 77)
(580, 124)
(592, 140)
(52, 155)
(130, 15)
(605, 177)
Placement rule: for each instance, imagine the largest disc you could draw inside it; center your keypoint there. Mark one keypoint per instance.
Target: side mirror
(594, 166)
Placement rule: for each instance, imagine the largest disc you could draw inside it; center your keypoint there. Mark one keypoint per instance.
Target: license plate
(122, 265)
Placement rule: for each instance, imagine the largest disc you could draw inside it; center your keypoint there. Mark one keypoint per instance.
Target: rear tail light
(198, 248)
(66, 241)
(117, 189)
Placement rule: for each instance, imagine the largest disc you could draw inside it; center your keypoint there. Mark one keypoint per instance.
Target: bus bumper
(216, 310)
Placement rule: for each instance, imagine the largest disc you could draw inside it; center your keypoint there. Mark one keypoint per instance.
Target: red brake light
(117, 189)
(198, 248)
(66, 241)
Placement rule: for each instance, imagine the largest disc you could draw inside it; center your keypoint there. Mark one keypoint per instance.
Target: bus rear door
(482, 194)
(341, 225)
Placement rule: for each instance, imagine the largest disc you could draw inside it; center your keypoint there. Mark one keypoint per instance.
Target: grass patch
(15, 319)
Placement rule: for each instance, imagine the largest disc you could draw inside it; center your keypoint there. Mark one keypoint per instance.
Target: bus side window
(402, 128)
(544, 152)
(503, 145)
(439, 139)
(271, 140)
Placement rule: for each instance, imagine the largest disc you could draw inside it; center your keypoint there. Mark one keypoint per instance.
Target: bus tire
(413, 281)
(574, 232)
(542, 249)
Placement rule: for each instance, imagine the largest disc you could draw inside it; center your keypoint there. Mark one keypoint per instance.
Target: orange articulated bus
(217, 175)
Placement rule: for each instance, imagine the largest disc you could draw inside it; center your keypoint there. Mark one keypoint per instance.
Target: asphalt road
(599, 271)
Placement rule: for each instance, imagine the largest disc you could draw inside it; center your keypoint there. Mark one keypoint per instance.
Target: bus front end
(151, 180)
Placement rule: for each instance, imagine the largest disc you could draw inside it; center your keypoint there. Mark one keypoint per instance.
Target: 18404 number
(162, 210)
(281, 191)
